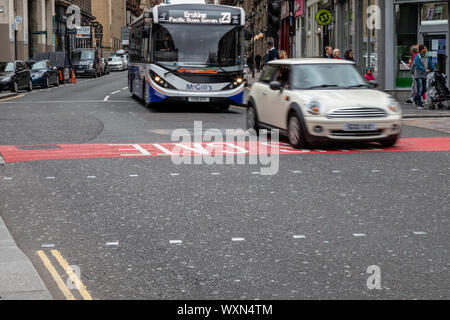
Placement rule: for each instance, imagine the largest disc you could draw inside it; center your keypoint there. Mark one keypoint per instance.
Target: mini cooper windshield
(327, 76)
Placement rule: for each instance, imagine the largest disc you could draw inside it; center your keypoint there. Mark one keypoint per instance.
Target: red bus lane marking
(13, 154)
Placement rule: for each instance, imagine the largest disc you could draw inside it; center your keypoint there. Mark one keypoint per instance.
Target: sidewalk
(409, 110)
(18, 278)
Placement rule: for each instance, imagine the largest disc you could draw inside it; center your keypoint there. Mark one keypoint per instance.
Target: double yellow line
(69, 271)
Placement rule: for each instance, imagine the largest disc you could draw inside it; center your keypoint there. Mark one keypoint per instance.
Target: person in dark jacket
(422, 65)
(272, 53)
(258, 62)
(328, 52)
(348, 55)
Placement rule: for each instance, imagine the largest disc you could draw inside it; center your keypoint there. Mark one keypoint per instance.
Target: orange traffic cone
(73, 79)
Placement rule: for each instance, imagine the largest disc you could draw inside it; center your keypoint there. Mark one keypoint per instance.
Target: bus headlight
(160, 82)
(236, 83)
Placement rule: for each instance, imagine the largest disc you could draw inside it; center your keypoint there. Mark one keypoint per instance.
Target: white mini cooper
(315, 101)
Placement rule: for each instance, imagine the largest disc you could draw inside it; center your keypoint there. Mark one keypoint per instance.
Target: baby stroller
(437, 91)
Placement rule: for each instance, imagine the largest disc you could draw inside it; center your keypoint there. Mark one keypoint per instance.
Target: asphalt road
(145, 228)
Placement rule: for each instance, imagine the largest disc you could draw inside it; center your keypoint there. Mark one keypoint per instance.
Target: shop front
(419, 22)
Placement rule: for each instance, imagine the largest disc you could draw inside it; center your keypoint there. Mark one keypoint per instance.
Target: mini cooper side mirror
(373, 84)
(275, 85)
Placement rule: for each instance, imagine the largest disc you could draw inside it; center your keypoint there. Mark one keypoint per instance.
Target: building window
(434, 13)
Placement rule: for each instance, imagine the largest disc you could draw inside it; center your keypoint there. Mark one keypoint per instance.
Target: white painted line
(336, 171)
(115, 92)
(415, 169)
(376, 170)
(91, 177)
(106, 98)
(359, 235)
(7, 178)
(419, 232)
(47, 245)
(215, 173)
(174, 174)
(112, 243)
(175, 242)
(50, 178)
(299, 236)
(297, 171)
(256, 172)
(125, 88)
(134, 175)
(237, 239)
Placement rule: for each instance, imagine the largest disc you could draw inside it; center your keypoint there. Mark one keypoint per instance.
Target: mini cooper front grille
(358, 113)
(341, 133)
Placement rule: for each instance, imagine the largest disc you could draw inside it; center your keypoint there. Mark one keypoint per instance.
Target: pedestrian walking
(328, 52)
(348, 55)
(414, 52)
(337, 54)
(258, 62)
(422, 65)
(250, 62)
(369, 75)
(272, 53)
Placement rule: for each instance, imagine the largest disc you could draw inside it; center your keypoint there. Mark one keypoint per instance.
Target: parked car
(87, 62)
(316, 101)
(61, 60)
(116, 63)
(105, 67)
(44, 73)
(14, 76)
(125, 61)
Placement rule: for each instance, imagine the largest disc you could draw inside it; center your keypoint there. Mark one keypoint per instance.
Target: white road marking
(296, 171)
(134, 175)
(47, 245)
(174, 174)
(7, 178)
(50, 178)
(106, 98)
(415, 169)
(125, 88)
(112, 243)
(376, 170)
(115, 92)
(299, 236)
(237, 239)
(336, 171)
(255, 172)
(215, 173)
(359, 235)
(91, 177)
(175, 242)
(419, 232)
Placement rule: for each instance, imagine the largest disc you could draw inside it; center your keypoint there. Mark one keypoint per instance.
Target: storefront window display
(434, 13)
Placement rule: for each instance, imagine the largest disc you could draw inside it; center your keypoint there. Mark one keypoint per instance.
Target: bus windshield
(191, 45)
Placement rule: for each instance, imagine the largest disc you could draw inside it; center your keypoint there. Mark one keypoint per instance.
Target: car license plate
(198, 99)
(80, 71)
(360, 127)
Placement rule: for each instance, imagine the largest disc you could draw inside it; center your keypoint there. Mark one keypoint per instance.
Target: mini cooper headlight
(393, 105)
(314, 107)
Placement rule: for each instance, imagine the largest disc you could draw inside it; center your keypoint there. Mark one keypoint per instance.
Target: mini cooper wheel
(295, 132)
(252, 119)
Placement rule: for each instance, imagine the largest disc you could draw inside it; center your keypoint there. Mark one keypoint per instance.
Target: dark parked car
(44, 73)
(86, 62)
(14, 76)
(105, 67)
(61, 60)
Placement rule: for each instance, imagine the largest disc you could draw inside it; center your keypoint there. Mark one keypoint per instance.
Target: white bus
(188, 53)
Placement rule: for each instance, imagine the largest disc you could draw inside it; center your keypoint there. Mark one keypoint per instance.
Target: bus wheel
(224, 107)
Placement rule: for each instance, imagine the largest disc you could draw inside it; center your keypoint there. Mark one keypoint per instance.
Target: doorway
(437, 50)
